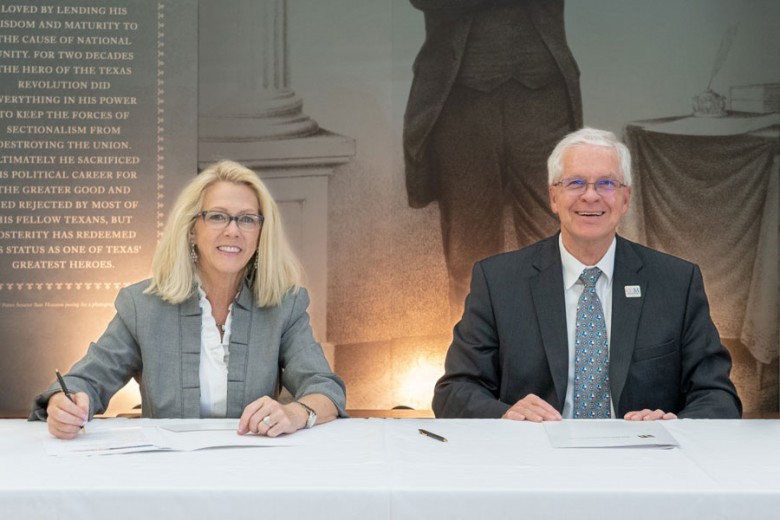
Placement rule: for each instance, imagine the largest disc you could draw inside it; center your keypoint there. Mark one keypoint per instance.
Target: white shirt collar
(572, 268)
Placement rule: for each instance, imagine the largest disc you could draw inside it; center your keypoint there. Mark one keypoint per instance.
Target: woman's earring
(193, 254)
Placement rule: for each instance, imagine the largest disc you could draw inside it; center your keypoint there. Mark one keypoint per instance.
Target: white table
(382, 468)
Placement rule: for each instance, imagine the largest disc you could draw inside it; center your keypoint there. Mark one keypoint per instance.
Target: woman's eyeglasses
(220, 219)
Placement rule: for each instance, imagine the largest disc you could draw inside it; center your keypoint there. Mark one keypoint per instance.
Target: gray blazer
(158, 344)
(665, 352)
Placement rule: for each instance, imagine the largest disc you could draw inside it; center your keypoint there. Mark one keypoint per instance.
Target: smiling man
(586, 324)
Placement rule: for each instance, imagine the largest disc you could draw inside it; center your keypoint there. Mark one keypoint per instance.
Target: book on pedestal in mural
(759, 98)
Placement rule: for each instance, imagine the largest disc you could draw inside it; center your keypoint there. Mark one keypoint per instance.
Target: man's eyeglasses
(219, 220)
(581, 186)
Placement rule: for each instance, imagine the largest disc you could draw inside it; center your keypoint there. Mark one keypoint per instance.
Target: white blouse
(214, 354)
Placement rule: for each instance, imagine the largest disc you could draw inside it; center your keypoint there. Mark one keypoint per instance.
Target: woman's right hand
(65, 417)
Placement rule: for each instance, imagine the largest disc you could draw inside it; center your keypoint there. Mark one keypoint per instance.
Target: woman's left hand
(266, 416)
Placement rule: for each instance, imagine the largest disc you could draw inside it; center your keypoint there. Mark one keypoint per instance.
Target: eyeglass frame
(567, 185)
(230, 218)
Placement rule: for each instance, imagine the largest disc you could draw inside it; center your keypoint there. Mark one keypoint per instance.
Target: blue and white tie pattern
(591, 353)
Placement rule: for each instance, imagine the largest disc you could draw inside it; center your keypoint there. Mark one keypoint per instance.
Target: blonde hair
(173, 271)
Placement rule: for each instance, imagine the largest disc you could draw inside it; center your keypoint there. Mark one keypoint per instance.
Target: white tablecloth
(382, 468)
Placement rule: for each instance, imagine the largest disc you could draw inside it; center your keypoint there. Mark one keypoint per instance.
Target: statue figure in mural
(495, 87)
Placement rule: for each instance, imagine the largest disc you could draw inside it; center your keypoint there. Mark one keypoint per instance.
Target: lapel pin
(633, 291)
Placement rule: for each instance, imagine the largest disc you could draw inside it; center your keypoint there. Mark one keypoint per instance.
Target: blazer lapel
(628, 295)
(240, 326)
(191, 318)
(550, 309)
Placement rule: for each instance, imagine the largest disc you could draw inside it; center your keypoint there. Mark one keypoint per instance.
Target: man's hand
(649, 415)
(532, 408)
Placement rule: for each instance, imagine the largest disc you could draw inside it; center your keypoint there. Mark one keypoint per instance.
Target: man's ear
(553, 198)
(627, 202)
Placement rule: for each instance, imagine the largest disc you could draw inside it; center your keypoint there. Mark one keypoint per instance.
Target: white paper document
(99, 441)
(208, 425)
(608, 433)
(205, 434)
(173, 436)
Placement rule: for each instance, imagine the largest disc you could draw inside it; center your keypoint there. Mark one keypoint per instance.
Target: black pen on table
(432, 435)
(64, 388)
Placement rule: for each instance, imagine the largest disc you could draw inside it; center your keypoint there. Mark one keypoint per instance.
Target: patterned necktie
(591, 355)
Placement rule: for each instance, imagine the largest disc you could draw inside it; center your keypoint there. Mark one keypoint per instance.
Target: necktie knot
(590, 276)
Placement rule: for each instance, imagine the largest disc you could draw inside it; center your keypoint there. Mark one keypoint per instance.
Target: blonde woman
(219, 328)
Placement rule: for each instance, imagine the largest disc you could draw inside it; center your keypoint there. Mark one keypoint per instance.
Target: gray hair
(588, 136)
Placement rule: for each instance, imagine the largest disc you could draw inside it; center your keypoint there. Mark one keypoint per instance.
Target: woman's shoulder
(294, 296)
(136, 293)
(137, 288)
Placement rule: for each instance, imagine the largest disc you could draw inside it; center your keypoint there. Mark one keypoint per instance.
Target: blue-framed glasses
(602, 186)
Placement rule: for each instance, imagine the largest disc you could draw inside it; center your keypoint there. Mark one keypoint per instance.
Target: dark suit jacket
(665, 352)
(447, 26)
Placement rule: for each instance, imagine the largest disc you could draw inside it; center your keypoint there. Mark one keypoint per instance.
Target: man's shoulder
(651, 257)
(536, 254)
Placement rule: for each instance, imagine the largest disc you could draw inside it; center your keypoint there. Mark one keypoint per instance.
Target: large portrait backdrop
(82, 196)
